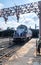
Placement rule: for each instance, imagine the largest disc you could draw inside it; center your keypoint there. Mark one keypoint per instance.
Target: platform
(26, 55)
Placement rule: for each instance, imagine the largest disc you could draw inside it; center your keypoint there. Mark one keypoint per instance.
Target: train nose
(19, 34)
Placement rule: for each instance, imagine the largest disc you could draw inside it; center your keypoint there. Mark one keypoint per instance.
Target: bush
(35, 33)
(6, 33)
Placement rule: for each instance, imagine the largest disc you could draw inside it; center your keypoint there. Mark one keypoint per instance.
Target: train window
(22, 27)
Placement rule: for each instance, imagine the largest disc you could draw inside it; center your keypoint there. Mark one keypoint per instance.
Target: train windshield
(22, 27)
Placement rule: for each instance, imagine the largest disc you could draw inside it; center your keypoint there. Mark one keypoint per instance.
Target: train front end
(20, 33)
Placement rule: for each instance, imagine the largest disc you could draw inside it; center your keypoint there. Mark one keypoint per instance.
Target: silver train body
(22, 33)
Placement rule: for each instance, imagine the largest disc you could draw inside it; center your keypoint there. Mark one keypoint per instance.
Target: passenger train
(22, 33)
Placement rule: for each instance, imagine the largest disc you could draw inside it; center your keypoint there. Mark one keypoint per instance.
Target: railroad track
(8, 52)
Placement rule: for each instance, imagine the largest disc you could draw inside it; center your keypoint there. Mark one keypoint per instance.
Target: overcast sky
(28, 19)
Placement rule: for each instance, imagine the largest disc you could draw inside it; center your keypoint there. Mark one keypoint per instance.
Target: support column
(39, 5)
(39, 28)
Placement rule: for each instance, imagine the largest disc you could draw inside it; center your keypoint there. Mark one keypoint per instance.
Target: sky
(29, 19)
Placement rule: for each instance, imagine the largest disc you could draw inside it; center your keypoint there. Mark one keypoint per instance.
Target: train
(22, 33)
